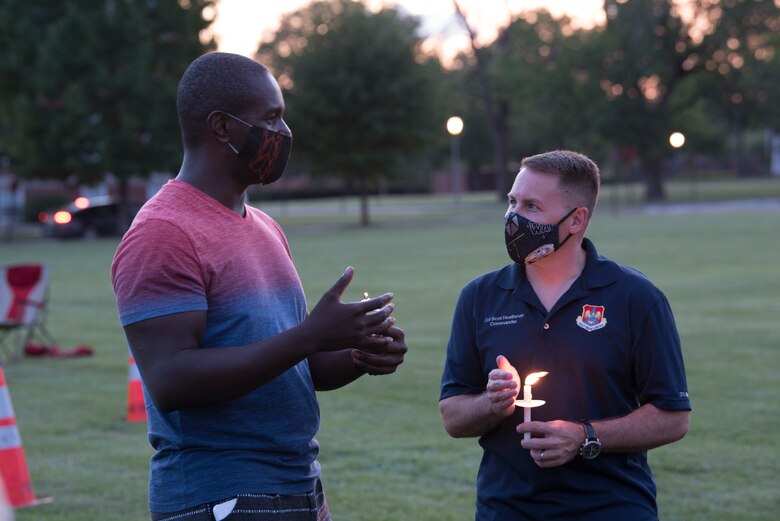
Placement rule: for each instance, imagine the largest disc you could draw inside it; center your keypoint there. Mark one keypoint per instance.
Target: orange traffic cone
(13, 465)
(136, 407)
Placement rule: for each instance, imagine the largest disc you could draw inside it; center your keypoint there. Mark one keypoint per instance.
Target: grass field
(384, 453)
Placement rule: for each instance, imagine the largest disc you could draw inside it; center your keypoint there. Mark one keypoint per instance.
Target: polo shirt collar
(598, 272)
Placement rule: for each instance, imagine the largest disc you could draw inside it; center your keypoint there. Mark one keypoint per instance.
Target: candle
(366, 297)
(527, 403)
(527, 397)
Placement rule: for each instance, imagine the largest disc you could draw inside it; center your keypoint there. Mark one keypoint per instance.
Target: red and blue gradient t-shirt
(186, 252)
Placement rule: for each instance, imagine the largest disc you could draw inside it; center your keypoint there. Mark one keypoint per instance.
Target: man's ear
(579, 220)
(218, 124)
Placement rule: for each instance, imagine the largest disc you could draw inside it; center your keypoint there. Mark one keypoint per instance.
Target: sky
(240, 24)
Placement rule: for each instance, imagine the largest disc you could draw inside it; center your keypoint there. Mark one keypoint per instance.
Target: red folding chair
(24, 294)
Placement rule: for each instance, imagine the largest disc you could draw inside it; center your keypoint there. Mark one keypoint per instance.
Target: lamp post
(677, 140)
(455, 127)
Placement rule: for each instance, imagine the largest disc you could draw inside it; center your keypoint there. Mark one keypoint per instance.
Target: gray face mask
(527, 241)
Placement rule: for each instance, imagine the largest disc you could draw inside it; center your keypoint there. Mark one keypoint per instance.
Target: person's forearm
(644, 429)
(200, 377)
(332, 370)
(468, 415)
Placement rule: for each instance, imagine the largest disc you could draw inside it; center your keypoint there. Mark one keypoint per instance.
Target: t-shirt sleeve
(463, 373)
(156, 272)
(658, 363)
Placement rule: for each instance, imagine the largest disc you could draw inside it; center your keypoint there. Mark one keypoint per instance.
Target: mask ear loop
(234, 117)
(229, 114)
(559, 223)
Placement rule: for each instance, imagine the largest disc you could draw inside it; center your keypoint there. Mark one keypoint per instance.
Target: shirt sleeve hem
(449, 393)
(671, 404)
(134, 318)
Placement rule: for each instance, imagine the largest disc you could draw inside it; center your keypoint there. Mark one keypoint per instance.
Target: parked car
(86, 217)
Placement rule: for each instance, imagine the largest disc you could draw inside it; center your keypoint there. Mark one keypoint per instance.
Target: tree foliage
(88, 88)
(542, 71)
(654, 68)
(739, 67)
(640, 71)
(361, 98)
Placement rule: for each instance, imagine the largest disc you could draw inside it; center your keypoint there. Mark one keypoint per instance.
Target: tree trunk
(497, 114)
(738, 130)
(653, 174)
(364, 217)
(504, 178)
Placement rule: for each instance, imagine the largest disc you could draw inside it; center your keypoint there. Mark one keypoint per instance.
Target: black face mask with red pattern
(265, 152)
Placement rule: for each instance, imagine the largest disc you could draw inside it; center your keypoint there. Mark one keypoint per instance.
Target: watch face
(590, 450)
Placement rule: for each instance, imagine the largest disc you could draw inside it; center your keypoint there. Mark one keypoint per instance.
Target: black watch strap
(591, 447)
(590, 432)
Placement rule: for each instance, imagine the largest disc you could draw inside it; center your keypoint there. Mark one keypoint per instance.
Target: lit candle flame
(534, 377)
(528, 401)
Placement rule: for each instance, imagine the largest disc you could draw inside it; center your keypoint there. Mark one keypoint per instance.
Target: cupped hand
(335, 325)
(503, 387)
(384, 358)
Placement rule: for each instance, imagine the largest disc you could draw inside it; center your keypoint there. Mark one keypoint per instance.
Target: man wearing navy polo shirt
(605, 334)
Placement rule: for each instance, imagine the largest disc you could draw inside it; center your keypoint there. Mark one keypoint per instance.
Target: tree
(740, 66)
(89, 88)
(650, 55)
(654, 68)
(640, 68)
(542, 71)
(534, 88)
(495, 108)
(361, 98)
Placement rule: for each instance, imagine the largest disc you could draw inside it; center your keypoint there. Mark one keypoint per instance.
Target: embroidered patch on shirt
(592, 318)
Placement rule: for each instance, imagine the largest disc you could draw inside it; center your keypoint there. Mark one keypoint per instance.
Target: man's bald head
(215, 81)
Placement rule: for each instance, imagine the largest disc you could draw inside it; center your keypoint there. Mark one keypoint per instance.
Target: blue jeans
(310, 506)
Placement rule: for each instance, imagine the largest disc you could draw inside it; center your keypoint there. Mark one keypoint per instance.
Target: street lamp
(677, 139)
(455, 127)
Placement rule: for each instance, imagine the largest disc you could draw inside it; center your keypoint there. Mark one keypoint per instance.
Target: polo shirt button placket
(546, 325)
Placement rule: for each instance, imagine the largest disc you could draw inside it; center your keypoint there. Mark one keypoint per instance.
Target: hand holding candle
(528, 402)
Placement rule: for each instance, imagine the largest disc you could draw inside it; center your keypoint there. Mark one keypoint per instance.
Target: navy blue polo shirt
(610, 345)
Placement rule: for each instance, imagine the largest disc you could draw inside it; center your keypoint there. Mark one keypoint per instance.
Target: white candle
(527, 403)
(527, 397)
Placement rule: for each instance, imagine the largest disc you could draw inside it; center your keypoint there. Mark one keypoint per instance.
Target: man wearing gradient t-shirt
(216, 317)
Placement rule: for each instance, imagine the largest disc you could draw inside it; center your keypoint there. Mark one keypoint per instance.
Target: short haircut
(574, 170)
(215, 81)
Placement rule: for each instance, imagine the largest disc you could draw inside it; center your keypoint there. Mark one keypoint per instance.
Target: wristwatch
(591, 447)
